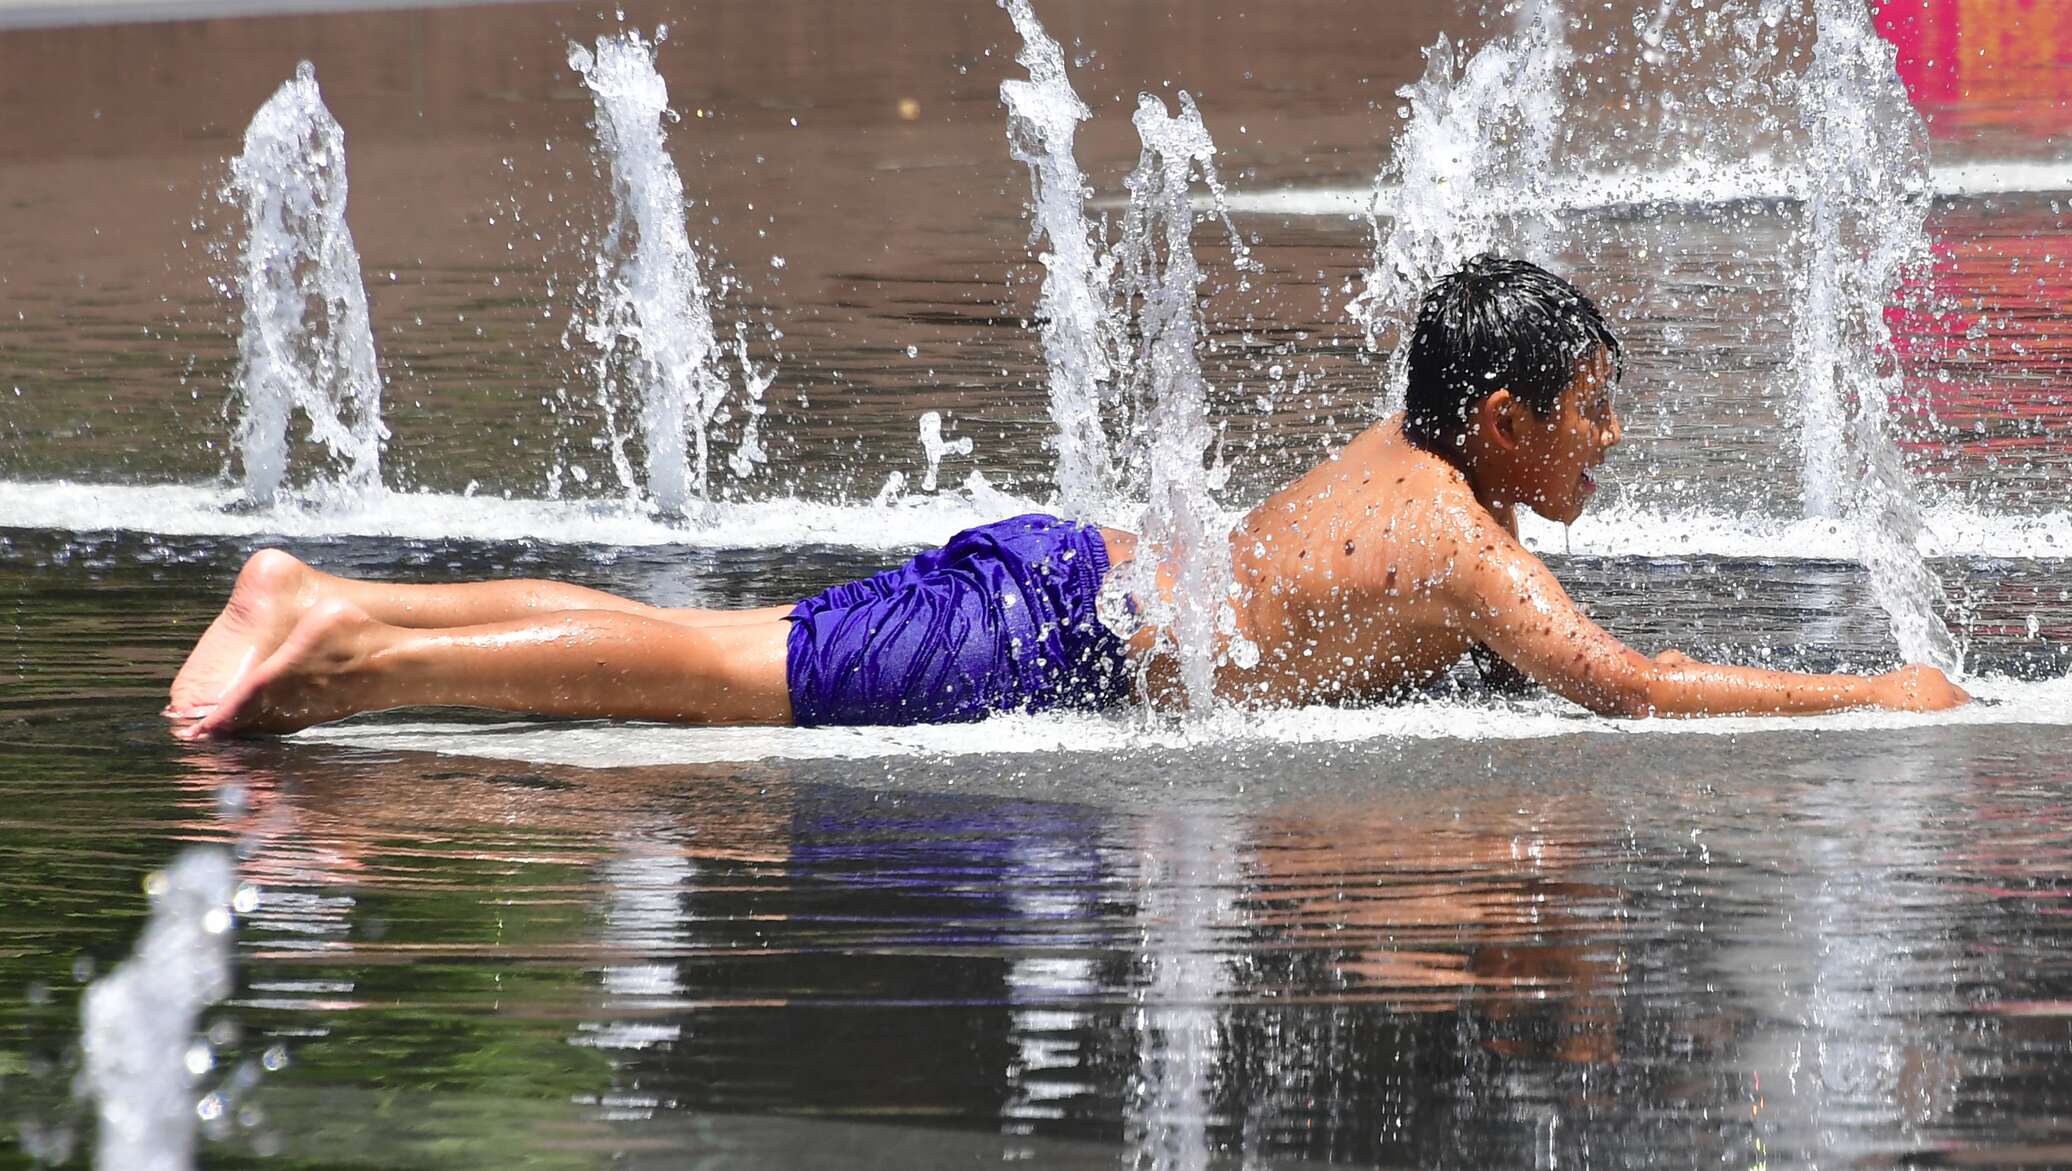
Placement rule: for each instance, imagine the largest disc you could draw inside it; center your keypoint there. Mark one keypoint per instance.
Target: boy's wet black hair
(1496, 324)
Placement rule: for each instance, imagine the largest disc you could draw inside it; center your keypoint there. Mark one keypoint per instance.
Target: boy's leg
(338, 660)
(275, 590)
(692, 616)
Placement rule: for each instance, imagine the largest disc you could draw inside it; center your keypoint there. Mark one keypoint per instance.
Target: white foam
(1948, 531)
(203, 510)
(637, 745)
(915, 521)
(1684, 183)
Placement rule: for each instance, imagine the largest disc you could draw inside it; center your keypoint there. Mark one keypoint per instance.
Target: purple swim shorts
(1001, 618)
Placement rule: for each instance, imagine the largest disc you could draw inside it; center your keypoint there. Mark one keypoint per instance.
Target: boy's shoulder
(1402, 482)
(1386, 508)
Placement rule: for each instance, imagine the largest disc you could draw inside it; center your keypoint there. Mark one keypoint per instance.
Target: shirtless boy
(1372, 573)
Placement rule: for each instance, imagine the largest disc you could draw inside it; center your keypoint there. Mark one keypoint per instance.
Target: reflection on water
(1057, 880)
(1604, 950)
(1187, 869)
(1507, 955)
(1869, 1062)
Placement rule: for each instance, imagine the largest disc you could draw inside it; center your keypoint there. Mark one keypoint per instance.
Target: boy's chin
(1562, 514)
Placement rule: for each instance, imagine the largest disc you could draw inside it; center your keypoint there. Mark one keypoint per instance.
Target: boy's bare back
(1347, 575)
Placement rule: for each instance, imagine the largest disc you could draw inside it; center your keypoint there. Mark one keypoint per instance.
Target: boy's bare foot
(317, 674)
(264, 606)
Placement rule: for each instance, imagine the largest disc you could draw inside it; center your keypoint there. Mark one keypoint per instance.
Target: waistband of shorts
(1091, 569)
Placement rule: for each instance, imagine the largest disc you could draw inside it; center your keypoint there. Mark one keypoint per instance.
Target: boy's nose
(1613, 430)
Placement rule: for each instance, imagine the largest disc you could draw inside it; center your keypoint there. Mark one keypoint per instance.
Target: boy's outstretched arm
(1510, 600)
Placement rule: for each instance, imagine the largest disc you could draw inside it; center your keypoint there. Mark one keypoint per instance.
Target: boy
(1370, 574)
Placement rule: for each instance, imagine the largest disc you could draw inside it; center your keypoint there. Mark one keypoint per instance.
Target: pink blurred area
(1992, 358)
(1973, 65)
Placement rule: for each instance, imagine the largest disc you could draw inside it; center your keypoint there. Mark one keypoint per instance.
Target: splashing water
(304, 341)
(143, 1058)
(1079, 337)
(755, 383)
(1866, 213)
(650, 323)
(935, 447)
(1470, 173)
(1181, 521)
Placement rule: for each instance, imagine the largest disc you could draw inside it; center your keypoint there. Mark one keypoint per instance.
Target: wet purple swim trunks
(999, 619)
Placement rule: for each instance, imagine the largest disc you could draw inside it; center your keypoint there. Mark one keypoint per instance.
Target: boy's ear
(1501, 417)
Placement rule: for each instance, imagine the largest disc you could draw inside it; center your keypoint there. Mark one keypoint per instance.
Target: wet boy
(1372, 573)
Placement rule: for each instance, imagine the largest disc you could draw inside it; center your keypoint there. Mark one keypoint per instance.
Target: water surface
(1414, 936)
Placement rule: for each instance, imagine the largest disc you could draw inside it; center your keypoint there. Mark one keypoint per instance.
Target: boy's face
(1556, 453)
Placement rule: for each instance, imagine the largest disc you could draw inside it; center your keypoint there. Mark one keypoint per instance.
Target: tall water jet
(304, 341)
(1866, 215)
(1182, 527)
(1043, 117)
(144, 1058)
(650, 323)
(1469, 174)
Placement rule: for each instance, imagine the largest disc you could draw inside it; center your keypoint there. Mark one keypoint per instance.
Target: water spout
(304, 341)
(1181, 520)
(935, 447)
(1470, 172)
(1866, 214)
(650, 318)
(1079, 338)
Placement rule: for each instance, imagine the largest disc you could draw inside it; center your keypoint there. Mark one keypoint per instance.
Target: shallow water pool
(1462, 931)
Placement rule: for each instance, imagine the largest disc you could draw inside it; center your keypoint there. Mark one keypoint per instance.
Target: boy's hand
(1915, 688)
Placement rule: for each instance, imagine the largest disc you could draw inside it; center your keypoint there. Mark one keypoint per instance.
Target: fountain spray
(1182, 527)
(1866, 214)
(1469, 173)
(1079, 338)
(651, 322)
(304, 341)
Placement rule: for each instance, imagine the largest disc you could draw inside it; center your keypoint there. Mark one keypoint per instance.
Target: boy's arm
(1508, 599)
